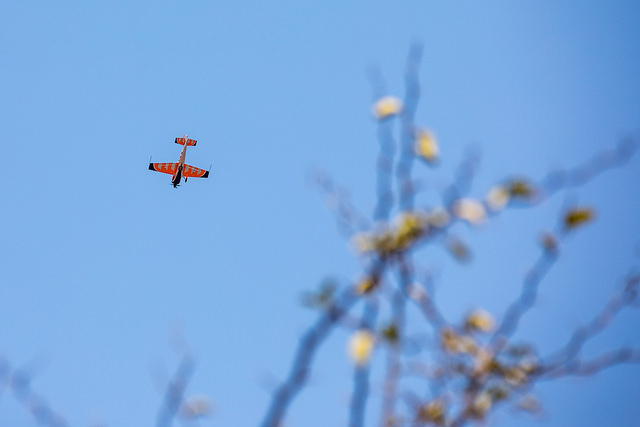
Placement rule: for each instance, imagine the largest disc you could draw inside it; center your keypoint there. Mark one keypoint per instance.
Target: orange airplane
(180, 168)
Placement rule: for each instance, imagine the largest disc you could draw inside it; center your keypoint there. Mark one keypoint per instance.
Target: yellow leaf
(426, 146)
(410, 226)
(383, 241)
(386, 107)
(409, 222)
(480, 320)
(360, 346)
(366, 285)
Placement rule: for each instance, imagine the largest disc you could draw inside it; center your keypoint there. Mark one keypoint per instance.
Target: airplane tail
(189, 142)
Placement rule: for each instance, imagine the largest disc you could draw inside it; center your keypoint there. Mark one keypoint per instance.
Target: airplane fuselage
(178, 175)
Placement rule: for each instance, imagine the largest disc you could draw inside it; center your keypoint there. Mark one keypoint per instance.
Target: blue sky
(101, 258)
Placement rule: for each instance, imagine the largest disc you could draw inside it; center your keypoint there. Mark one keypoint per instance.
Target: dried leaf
(453, 343)
(498, 198)
(531, 404)
(549, 242)
(515, 376)
(577, 217)
(458, 249)
(470, 210)
(483, 361)
(417, 292)
(390, 333)
(529, 364)
(522, 189)
(363, 242)
(481, 404)
(498, 393)
(322, 298)
(438, 218)
(196, 407)
(385, 242)
(432, 412)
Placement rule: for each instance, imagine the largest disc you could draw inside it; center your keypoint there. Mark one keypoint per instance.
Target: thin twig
(626, 297)
(406, 192)
(593, 366)
(527, 298)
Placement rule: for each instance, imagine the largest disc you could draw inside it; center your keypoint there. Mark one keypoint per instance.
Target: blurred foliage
(459, 372)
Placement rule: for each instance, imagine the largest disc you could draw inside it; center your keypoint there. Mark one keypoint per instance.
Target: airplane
(180, 169)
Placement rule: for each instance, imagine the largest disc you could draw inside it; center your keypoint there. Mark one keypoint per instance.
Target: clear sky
(101, 259)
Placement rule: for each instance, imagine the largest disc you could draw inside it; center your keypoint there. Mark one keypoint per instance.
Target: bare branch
(405, 160)
(384, 166)
(174, 395)
(593, 366)
(19, 382)
(463, 179)
(582, 174)
(307, 348)
(527, 297)
(349, 220)
(626, 297)
(361, 373)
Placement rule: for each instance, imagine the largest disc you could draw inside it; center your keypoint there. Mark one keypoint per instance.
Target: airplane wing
(192, 172)
(189, 142)
(169, 168)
